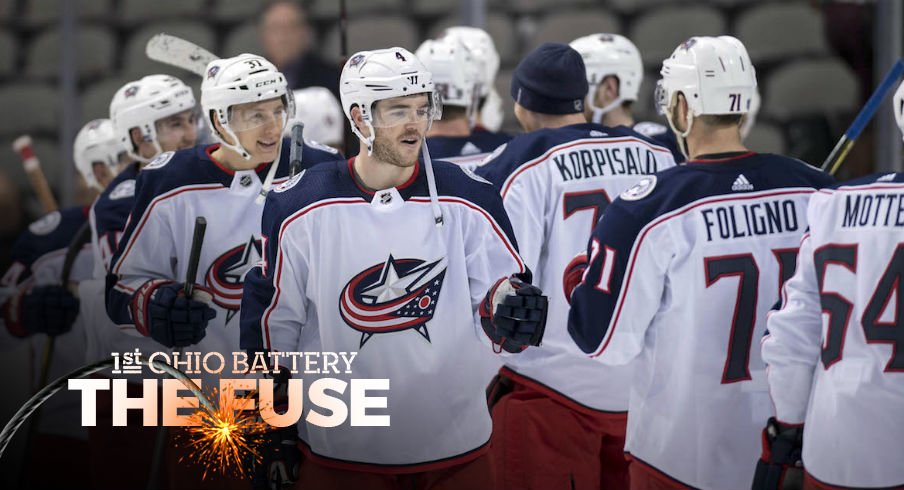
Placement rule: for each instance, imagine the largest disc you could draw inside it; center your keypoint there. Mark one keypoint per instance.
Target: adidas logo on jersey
(741, 184)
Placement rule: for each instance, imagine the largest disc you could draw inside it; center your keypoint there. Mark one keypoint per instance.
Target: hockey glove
(513, 314)
(574, 272)
(161, 311)
(49, 309)
(780, 467)
(280, 458)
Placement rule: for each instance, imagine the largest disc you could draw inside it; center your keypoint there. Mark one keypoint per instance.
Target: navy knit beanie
(551, 80)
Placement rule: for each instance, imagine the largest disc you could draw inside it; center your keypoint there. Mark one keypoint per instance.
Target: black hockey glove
(280, 458)
(49, 309)
(161, 311)
(513, 314)
(780, 467)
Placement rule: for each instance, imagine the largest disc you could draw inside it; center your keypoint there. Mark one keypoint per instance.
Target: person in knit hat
(559, 417)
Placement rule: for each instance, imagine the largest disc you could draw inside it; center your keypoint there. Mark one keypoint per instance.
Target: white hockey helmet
(714, 74)
(141, 103)
(482, 47)
(610, 55)
(455, 70)
(370, 76)
(96, 142)
(898, 102)
(321, 114)
(239, 80)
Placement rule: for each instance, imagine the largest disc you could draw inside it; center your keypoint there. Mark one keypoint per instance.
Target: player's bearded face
(400, 125)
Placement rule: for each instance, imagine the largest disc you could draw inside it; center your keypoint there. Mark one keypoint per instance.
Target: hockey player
(247, 103)
(319, 110)
(456, 75)
(413, 248)
(490, 116)
(556, 182)
(614, 73)
(41, 305)
(99, 155)
(840, 386)
(152, 115)
(683, 268)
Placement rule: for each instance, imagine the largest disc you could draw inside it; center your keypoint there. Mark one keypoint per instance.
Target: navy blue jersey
(662, 135)
(468, 151)
(52, 233)
(108, 217)
(684, 267)
(170, 192)
(348, 270)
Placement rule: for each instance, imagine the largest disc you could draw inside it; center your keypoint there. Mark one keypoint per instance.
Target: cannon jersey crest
(396, 295)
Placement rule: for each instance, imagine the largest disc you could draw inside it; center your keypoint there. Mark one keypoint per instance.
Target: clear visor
(661, 98)
(247, 118)
(388, 114)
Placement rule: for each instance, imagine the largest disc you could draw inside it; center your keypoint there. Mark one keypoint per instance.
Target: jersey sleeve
(616, 300)
(526, 202)
(146, 255)
(492, 252)
(793, 341)
(273, 308)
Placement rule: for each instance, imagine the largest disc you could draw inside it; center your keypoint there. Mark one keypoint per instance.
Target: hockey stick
(844, 145)
(188, 287)
(9, 430)
(176, 51)
(296, 151)
(194, 257)
(23, 146)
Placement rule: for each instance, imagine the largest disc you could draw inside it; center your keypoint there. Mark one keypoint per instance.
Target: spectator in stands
(287, 40)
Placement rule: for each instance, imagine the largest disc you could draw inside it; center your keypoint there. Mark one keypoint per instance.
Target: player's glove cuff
(513, 314)
(12, 315)
(780, 466)
(574, 272)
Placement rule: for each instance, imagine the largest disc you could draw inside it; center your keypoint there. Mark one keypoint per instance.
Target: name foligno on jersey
(768, 217)
(584, 163)
(869, 210)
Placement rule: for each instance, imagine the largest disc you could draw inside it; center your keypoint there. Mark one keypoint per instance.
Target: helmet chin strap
(271, 174)
(431, 186)
(681, 136)
(599, 112)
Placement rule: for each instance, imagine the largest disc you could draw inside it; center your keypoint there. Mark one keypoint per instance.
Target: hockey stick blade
(176, 51)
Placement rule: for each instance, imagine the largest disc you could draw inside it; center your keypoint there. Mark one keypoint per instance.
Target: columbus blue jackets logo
(356, 60)
(397, 295)
(131, 91)
(212, 72)
(226, 275)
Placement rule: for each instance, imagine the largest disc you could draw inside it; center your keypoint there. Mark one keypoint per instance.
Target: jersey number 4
(839, 309)
(737, 364)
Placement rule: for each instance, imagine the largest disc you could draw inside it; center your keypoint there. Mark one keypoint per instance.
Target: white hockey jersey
(352, 271)
(832, 348)
(556, 183)
(171, 192)
(683, 269)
